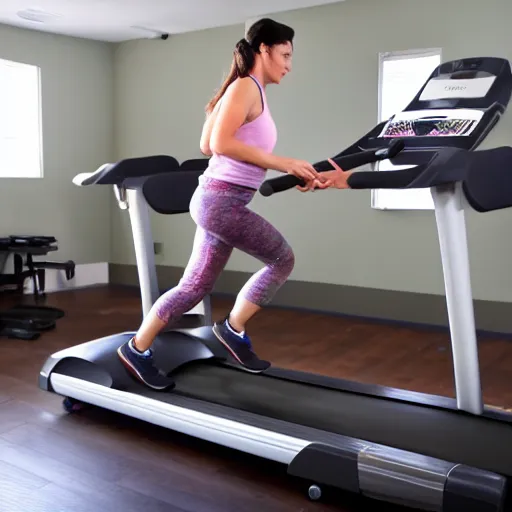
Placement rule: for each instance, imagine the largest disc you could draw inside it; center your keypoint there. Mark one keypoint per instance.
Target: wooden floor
(101, 461)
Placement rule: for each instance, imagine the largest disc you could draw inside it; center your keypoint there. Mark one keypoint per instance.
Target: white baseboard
(87, 274)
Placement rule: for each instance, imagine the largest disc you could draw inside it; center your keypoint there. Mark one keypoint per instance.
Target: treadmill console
(474, 83)
(458, 106)
(462, 98)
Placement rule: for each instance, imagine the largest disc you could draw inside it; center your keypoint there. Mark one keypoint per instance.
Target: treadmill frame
(321, 458)
(318, 457)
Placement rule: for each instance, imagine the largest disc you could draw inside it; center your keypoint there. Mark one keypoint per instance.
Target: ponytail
(243, 61)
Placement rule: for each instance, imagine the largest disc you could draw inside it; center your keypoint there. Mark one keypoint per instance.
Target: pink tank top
(260, 132)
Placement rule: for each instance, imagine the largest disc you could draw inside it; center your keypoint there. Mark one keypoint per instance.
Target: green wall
(328, 101)
(77, 117)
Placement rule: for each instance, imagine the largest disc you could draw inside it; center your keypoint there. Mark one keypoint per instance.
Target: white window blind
(20, 121)
(401, 75)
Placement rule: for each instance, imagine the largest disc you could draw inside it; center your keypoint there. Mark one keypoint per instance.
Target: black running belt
(448, 435)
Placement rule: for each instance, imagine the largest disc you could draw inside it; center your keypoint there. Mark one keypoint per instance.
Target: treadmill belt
(456, 437)
(276, 425)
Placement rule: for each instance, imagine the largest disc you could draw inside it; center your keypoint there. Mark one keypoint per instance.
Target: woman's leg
(270, 247)
(257, 237)
(209, 257)
(242, 311)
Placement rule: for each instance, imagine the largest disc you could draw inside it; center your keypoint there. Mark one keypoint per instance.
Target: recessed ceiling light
(36, 15)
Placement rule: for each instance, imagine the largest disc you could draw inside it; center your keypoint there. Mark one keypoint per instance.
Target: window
(20, 121)
(401, 75)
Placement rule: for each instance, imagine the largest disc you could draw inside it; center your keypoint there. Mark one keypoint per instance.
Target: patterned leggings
(223, 223)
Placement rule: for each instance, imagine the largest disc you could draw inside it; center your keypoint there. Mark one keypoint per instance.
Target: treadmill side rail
(329, 465)
(405, 478)
(472, 490)
(397, 476)
(214, 428)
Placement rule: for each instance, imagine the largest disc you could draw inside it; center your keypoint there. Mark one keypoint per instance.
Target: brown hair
(264, 31)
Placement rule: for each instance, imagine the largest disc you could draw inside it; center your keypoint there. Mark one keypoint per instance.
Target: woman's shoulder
(243, 85)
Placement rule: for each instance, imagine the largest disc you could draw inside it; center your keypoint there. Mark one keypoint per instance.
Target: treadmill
(422, 451)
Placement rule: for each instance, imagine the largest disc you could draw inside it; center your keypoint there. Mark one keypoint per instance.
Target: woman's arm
(207, 132)
(237, 102)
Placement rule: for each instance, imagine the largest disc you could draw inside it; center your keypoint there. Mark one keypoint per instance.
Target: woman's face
(277, 61)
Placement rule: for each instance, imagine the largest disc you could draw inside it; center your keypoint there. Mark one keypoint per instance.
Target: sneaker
(142, 367)
(240, 347)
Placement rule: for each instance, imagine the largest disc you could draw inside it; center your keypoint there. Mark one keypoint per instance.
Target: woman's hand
(330, 179)
(302, 169)
(311, 185)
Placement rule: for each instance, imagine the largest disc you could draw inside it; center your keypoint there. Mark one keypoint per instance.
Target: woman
(240, 135)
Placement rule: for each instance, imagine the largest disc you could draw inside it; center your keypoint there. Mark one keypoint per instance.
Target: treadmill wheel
(314, 493)
(72, 405)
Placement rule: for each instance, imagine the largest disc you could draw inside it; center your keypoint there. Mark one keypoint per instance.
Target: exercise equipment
(418, 450)
(24, 321)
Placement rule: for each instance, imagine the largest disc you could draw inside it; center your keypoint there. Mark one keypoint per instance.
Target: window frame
(376, 202)
(39, 172)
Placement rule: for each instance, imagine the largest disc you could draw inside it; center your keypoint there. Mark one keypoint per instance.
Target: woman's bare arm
(238, 101)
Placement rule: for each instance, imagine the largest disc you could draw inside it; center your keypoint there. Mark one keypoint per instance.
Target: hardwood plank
(225, 491)
(22, 391)
(15, 485)
(49, 442)
(15, 413)
(190, 494)
(137, 441)
(106, 495)
(51, 498)
(12, 476)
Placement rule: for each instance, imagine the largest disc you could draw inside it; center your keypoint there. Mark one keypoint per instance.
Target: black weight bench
(30, 246)
(22, 321)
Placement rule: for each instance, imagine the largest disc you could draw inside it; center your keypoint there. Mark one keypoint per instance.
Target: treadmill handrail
(116, 173)
(139, 167)
(347, 162)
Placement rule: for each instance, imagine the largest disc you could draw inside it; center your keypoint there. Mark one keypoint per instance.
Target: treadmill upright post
(451, 227)
(140, 220)
(143, 244)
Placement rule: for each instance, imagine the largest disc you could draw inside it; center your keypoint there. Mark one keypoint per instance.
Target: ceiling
(122, 20)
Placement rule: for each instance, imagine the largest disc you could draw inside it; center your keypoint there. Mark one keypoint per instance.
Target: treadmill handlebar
(346, 162)
(139, 167)
(431, 168)
(440, 167)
